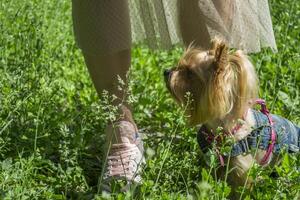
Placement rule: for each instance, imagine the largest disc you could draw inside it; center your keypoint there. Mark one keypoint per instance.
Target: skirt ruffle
(112, 25)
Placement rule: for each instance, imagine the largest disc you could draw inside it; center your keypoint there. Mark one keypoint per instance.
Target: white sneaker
(125, 154)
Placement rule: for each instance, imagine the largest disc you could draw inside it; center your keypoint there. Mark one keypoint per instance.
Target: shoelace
(123, 160)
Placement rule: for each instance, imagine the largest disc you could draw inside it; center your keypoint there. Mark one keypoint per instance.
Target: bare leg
(193, 24)
(121, 136)
(102, 30)
(225, 10)
(104, 70)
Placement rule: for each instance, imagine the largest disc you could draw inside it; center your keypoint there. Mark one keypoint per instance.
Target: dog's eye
(189, 73)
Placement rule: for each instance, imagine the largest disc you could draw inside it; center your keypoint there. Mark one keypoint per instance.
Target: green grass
(51, 120)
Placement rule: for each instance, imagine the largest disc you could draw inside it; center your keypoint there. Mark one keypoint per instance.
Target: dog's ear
(221, 61)
(214, 43)
(220, 51)
(219, 98)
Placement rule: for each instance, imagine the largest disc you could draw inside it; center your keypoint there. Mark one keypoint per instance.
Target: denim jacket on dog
(287, 136)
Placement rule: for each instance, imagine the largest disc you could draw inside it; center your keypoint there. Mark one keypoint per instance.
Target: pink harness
(270, 149)
(265, 111)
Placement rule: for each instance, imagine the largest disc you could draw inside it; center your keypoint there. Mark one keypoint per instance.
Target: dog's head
(219, 83)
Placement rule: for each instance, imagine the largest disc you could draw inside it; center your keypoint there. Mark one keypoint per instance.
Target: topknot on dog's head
(217, 42)
(219, 48)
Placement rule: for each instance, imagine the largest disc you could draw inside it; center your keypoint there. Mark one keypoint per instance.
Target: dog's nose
(167, 73)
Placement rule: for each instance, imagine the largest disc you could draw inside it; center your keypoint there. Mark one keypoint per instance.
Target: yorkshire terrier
(223, 91)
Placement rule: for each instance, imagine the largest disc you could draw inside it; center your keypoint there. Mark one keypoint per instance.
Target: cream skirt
(107, 26)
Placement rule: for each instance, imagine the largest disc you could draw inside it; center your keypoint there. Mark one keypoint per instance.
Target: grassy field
(51, 120)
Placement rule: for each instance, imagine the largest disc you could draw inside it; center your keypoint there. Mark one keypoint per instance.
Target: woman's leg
(102, 31)
(225, 8)
(193, 22)
(104, 71)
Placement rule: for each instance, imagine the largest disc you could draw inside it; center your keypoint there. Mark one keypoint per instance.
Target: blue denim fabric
(287, 136)
(287, 133)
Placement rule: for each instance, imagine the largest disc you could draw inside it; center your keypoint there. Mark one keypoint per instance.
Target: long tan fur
(223, 79)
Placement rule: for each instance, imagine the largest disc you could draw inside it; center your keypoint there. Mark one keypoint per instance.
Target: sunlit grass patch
(51, 120)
